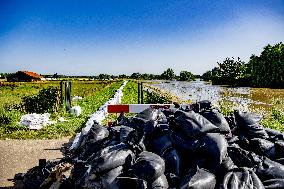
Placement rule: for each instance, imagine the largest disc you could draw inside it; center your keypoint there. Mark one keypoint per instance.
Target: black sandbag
(201, 106)
(279, 149)
(215, 117)
(263, 147)
(248, 125)
(97, 133)
(280, 160)
(124, 132)
(110, 158)
(148, 114)
(160, 144)
(183, 143)
(269, 169)
(274, 184)
(274, 134)
(148, 166)
(213, 147)
(194, 125)
(226, 165)
(108, 178)
(129, 182)
(173, 180)
(243, 158)
(172, 161)
(198, 179)
(241, 178)
(159, 183)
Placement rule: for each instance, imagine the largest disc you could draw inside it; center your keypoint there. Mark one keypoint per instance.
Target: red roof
(31, 74)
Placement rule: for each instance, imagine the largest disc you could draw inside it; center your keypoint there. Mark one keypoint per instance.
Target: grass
(94, 95)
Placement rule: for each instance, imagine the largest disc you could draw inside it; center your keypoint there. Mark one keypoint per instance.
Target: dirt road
(17, 156)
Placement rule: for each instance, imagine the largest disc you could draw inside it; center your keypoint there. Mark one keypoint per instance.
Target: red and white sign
(137, 108)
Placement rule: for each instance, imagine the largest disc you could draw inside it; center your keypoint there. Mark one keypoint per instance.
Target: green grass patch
(98, 93)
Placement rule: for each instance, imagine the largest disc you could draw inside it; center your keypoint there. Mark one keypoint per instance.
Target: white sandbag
(98, 116)
(36, 121)
(76, 110)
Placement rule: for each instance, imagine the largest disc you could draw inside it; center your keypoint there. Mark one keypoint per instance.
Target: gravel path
(17, 156)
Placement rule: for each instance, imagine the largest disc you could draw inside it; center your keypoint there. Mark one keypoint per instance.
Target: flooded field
(259, 100)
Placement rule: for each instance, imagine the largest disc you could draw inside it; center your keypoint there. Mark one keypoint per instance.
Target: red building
(25, 76)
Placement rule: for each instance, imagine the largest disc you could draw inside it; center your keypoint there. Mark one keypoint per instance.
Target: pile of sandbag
(174, 148)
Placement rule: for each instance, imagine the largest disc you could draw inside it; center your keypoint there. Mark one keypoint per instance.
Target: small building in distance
(24, 76)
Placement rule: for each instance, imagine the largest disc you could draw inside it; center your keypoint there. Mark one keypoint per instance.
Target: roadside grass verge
(96, 96)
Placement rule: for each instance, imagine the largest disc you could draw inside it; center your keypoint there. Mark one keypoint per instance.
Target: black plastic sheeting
(173, 148)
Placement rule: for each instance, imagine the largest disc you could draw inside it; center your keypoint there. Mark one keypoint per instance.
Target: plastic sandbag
(148, 166)
(128, 182)
(243, 158)
(97, 133)
(148, 114)
(274, 184)
(109, 177)
(124, 132)
(172, 161)
(111, 158)
(183, 143)
(241, 178)
(263, 147)
(173, 180)
(201, 106)
(198, 179)
(274, 134)
(279, 149)
(213, 147)
(248, 124)
(269, 169)
(193, 124)
(160, 183)
(215, 117)
(160, 144)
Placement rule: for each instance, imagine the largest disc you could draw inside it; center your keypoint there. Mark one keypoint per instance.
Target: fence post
(138, 92)
(68, 95)
(62, 95)
(142, 93)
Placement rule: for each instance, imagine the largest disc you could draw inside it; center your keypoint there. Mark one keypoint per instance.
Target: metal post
(68, 95)
(142, 93)
(62, 95)
(138, 92)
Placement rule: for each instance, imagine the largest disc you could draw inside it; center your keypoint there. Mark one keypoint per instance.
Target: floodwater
(259, 100)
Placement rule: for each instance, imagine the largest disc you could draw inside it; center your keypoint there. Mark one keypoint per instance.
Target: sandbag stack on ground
(176, 148)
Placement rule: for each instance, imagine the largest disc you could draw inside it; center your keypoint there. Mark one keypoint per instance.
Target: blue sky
(115, 37)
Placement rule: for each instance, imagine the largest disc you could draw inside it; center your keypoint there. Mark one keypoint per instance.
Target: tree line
(265, 70)
(166, 75)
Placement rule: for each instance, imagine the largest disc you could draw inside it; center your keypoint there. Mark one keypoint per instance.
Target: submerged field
(94, 94)
(265, 101)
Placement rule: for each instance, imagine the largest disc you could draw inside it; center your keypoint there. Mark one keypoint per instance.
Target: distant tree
(136, 75)
(207, 76)
(267, 70)
(186, 76)
(122, 76)
(104, 76)
(169, 74)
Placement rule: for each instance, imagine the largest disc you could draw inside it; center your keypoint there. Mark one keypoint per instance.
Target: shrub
(47, 100)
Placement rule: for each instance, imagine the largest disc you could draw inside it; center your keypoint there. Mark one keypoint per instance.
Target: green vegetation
(186, 76)
(130, 93)
(266, 70)
(98, 93)
(48, 100)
